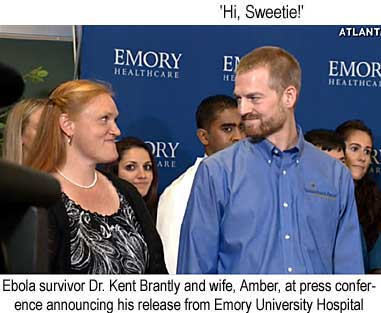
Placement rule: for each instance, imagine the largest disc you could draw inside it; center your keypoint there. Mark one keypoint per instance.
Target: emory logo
(230, 63)
(146, 63)
(164, 152)
(375, 167)
(354, 73)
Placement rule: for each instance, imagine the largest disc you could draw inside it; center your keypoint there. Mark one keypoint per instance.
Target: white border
(180, 12)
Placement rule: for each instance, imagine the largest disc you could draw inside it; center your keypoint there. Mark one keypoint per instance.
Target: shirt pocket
(320, 209)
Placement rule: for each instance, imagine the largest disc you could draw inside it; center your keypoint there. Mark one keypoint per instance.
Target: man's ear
(290, 95)
(203, 136)
(66, 125)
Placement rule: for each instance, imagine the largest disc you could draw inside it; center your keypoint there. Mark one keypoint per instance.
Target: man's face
(225, 130)
(262, 109)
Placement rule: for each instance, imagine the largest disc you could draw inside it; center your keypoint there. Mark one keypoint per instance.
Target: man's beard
(266, 127)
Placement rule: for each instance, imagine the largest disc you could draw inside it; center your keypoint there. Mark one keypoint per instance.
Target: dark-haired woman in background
(137, 165)
(359, 142)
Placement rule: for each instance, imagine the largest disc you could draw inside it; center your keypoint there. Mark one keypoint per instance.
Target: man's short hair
(284, 69)
(210, 107)
(325, 139)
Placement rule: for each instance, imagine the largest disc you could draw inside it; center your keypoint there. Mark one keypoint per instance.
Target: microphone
(23, 230)
(22, 186)
(11, 85)
(24, 234)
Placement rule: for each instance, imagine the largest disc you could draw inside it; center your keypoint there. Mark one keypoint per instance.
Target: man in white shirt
(219, 126)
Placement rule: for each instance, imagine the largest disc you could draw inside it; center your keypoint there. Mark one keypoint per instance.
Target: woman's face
(135, 166)
(30, 130)
(357, 153)
(94, 131)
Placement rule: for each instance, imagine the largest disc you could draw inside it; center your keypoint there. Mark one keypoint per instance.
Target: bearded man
(273, 203)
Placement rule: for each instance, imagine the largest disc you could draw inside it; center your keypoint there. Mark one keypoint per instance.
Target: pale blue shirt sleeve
(348, 255)
(199, 237)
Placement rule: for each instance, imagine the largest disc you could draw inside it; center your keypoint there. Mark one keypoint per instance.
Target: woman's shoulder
(122, 186)
(157, 264)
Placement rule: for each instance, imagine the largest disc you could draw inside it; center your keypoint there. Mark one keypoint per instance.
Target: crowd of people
(262, 199)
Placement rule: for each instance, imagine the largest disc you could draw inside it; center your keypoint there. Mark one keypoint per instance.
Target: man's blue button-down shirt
(256, 209)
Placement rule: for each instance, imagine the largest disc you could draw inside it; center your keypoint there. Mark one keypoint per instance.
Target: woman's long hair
(17, 119)
(127, 143)
(368, 200)
(49, 149)
(368, 197)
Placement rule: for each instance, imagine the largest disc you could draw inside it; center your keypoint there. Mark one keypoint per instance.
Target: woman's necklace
(78, 185)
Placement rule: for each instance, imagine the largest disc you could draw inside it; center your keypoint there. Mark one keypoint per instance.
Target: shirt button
(276, 151)
(285, 204)
(297, 161)
(290, 269)
(269, 161)
(284, 172)
(287, 237)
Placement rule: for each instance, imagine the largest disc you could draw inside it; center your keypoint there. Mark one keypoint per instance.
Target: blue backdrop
(161, 73)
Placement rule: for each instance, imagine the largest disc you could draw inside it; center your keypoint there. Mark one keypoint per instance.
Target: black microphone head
(11, 85)
(24, 186)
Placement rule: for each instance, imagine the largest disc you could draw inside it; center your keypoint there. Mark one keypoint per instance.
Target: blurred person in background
(328, 141)
(20, 129)
(136, 164)
(219, 125)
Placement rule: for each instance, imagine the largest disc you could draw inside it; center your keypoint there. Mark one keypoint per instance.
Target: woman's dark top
(112, 244)
(85, 242)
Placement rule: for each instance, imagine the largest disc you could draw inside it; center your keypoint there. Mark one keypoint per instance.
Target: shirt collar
(269, 151)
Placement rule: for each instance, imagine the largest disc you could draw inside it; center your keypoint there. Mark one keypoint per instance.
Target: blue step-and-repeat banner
(161, 73)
